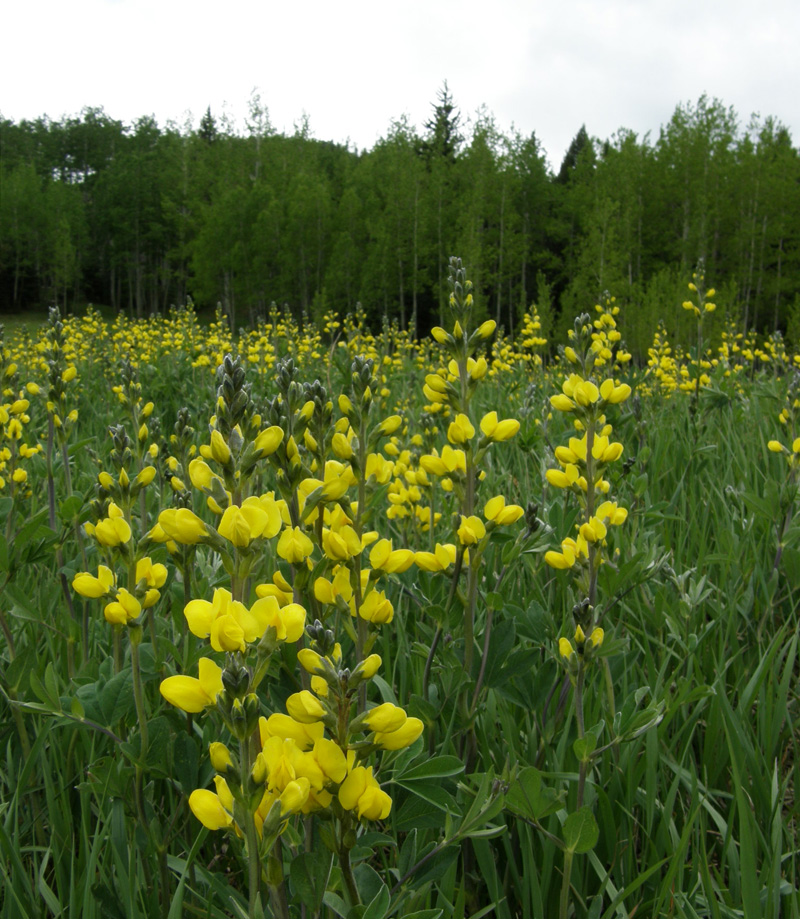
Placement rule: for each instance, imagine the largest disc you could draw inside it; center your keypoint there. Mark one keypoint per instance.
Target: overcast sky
(353, 66)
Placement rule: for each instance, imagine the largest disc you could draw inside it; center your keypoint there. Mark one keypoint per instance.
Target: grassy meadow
(312, 621)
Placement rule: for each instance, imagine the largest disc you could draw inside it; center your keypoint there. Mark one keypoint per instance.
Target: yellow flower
(288, 620)
(227, 622)
(461, 430)
(304, 707)
(331, 759)
(194, 694)
(327, 591)
(220, 451)
(240, 525)
(383, 557)
(390, 425)
(279, 588)
(340, 544)
(614, 394)
(498, 431)
(146, 476)
(560, 560)
(341, 446)
(500, 513)
(208, 809)
(152, 575)
(114, 530)
(596, 638)
(401, 738)
(268, 441)
(451, 461)
(471, 531)
(375, 607)
(379, 467)
(304, 736)
(93, 587)
(294, 546)
(439, 560)
(183, 526)
(593, 530)
(362, 793)
(609, 511)
(105, 480)
(294, 796)
(122, 610)
(385, 718)
(220, 757)
(477, 370)
(200, 473)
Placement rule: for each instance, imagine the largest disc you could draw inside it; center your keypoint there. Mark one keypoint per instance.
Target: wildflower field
(309, 621)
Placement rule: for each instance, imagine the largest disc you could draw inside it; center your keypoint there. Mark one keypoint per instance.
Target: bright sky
(355, 65)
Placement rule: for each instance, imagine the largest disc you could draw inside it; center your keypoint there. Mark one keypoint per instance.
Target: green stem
(347, 875)
(437, 636)
(579, 684)
(51, 506)
(487, 635)
(12, 653)
(565, 884)
(135, 633)
(426, 676)
(469, 619)
(117, 642)
(251, 836)
(590, 473)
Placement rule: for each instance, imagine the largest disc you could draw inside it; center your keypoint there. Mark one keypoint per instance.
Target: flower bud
(220, 757)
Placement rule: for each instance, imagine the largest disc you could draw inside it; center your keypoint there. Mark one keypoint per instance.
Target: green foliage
(141, 217)
(690, 805)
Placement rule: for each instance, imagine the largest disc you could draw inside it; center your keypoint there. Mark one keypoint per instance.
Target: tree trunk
(500, 255)
(778, 282)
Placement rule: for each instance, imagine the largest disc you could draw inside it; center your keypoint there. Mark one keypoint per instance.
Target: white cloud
(353, 66)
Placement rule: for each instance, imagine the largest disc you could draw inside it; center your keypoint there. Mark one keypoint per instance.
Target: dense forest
(142, 217)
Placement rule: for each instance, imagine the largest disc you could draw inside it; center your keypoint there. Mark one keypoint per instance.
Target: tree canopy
(140, 216)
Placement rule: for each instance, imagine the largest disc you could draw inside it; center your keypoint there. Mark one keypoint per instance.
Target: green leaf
(379, 905)
(584, 747)
(421, 708)
(336, 904)
(186, 760)
(50, 681)
(41, 691)
(116, 697)
(368, 882)
(416, 813)
(70, 508)
(535, 623)
(408, 854)
(581, 831)
(438, 767)
(437, 867)
(309, 874)
(501, 644)
(528, 797)
(432, 793)
(495, 600)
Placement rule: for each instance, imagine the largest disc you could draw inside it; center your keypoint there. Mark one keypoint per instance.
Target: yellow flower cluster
(789, 418)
